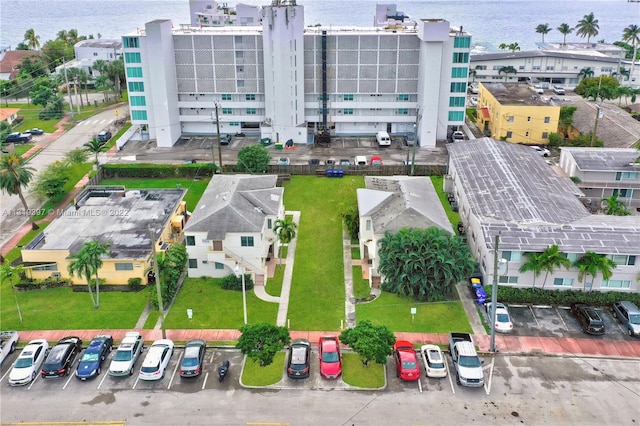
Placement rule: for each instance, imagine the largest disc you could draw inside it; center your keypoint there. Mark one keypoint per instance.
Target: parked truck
(8, 343)
(466, 362)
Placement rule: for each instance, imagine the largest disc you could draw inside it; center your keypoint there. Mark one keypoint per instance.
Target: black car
(35, 131)
(588, 317)
(61, 357)
(299, 359)
(225, 139)
(104, 136)
(90, 364)
(193, 357)
(17, 137)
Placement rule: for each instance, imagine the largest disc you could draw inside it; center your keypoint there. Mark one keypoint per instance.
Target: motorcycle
(223, 370)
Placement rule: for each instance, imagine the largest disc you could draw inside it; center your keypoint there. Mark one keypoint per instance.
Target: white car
(126, 355)
(434, 363)
(558, 90)
(157, 360)
(26, 367)
(457, 136)
(542, 151)
(473, 101)
(503, 319)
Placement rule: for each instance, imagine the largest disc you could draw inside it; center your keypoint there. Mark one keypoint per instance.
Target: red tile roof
(13, 58)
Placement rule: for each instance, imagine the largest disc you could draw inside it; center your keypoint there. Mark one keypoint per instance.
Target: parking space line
(487, 384)
(204, 382)
(34, 380)
(446, 361)
(6, 372)
(420, 385)
(104, 376)
(136, 382)
(534, 315)
(173, 375)
(211, 358)
(562, 319)
(67, 382)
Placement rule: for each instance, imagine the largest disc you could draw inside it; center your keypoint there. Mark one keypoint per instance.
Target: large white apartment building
(282, 80)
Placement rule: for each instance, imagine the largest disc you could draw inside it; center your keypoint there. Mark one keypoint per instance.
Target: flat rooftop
(604, 159)
(119, 217)
(515, 94)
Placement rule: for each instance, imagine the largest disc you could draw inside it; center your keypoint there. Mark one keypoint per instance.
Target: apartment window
(458, 87)
(623, 260)
(239, 54)
(218, 265)
(571, 256)
(498, 68)
(138, 115)
(138, 101)
(135, 72)
(234, 124)
(480, 67)
(191, 240)
(510, 119)
(457, 101)
(403, 97)
(508, 279)
(132, 57)
(246, 241)
(368, 225)
(460, 58)
(626, 175)
(456, 115)
(616, 283)
(547, 120)
(512, 256)
(193, 263)
(136, 86)
(348, 97)
(521, 68)
(226, 96)
(227, 111)
(403, 111)
(550, 68)
(50, 267)
(251, 111)
(536, 67)
(563, 282)
(545, 135)
(238, 39)
(462, 42)
(124, 266)
(131, 42)
(348, 111)
(509, 135)
(250, 97)
(217, 245)
(269, 223)
(239, 69)
(623, 193)
(459, 72)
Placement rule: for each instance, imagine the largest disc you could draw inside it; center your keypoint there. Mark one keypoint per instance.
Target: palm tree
(550, 259)
(588, 27)
(94, 147)
(512, 47)
(631, 34)
(285, 229)
(15, 175)
(473, 73)
(591, 263)
(11, 275)
(615, 207)
(83, 78)
(585, 72)
(87, 262)
(32, 40)
(564, 29)
(507, 70)
(623, 92)
(533, 264)
(543, 29)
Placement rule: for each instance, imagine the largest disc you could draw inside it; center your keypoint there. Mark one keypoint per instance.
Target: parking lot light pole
(241, 270)
(494, 295)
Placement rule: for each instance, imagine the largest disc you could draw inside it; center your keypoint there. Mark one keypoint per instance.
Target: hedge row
(539, 296)
(32, 284)
(158, 170)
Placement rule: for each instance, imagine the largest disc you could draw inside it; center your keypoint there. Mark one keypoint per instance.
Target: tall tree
(11, 275)
(588, 27)
(543, 29)
(32, 40)
(87, 262)
(260, 342)
(592, 263)
(615, 207)
(631, 34)
(507, 70)
(285, 229)
(512, 47)
(533, 264)
(565, 30)
(586, 72)
(370, 342)
(473, 73)
(15, 175)
(550, 259)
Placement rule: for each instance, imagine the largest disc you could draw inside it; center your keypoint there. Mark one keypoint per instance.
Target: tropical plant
(86, 263)
(253, 159)
(423, 264)
(507, 70)
(511, 47)
(473, 73)
(50, 183)
(586, 72)
(566, 118)
(550, 259)
(592, 263)
(615, 207)
(588, 27)
(533, 264)
(170, 266)
(285, 229)
(260, 342)
(352, 222)
(631, 34)
(12, 275)
(543, 29)
(15, 175)
(370, 342)
(32, 40)
(95, 147)
(598, 89)
(565, 30)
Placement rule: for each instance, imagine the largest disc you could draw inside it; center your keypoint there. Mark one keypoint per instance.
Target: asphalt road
(527, 390)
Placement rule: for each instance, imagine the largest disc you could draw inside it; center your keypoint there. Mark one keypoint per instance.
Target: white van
(383, 139)
(361, 160)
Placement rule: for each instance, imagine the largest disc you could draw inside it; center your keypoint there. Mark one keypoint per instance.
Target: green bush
(158, 170)
(232, 282)
(32, 284)
(539, 296)
(171, 267)
(134, 283)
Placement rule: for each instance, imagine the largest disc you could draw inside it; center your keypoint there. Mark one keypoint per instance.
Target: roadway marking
(562, 319)
(487, 388)
(204, 382)
(136, 382)
(534, 316)
(104, 377)
(34, 380)
(449, 375)
(6, 372)
(67, 382)
(420, 385)
(173, 375)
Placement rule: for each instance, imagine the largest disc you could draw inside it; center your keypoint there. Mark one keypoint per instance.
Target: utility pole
(156, 271)
(75, 90)
(415, 141)
(217, 105)
(66, 81)
(494, 295)
(599, 114)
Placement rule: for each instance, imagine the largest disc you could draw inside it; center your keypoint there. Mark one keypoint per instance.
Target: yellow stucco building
(515, 113)
(125, 219)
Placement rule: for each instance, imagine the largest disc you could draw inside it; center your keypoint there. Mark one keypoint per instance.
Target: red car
(406, 361)
(330, 360)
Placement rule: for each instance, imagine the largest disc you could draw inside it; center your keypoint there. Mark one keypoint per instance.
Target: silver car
(629, 315)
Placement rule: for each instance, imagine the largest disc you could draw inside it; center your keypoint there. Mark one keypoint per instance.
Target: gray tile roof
(512, 191)
(235, 203)
(541, 54)
(616, 128)
(401, 202)
(604, 159)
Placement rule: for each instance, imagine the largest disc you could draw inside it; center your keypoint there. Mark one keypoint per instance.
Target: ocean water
(491, 22)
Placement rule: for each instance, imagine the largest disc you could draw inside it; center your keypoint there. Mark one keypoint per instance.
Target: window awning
(485, 112)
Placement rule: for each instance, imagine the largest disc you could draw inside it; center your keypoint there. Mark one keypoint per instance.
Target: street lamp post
(156, 271)
(415, 140)
(241, 270)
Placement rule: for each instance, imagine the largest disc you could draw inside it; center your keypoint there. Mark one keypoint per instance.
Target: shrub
(33, 284)
(158, 170)
(134, 283)
(232, 282)
(539, 296)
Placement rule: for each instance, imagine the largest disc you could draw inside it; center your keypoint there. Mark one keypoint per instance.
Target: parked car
(8, 342)
(629, 315)
(126, 355)
(588, 317)
(330, 359)
(376, 160)
(457, 136)
(433, 361)
(558, 90)
(26, 367)
(360, 160)
(473, 88)
(406, 361)
(344, 162)
(383, 138)
(410, 139)
(17, 137)
(225, 139)
(477, 290)
(542, 151)
(156, 361)
(330, 162)
(473, 101)
(104, 136)
(90, 364)
(503, 319)
(299, 359)
(192, 358)
(61, 357)
(35, 131)
(538, 89)
(284, 161)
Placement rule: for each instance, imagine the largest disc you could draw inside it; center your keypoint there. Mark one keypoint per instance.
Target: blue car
(91, 362)
(478, 291)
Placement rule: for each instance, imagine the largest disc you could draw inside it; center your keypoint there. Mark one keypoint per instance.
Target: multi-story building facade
(282, 80)
(515, 113)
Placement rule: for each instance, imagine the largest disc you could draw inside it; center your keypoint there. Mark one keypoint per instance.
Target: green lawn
(361, 286)
(31, 120)
(317, 288)
(254, 375)
(454, 217)
(76, 172)
(356, 374)
(214, 307)
(21, 149)
(274, 285)
(14, 253)
(395, 312)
